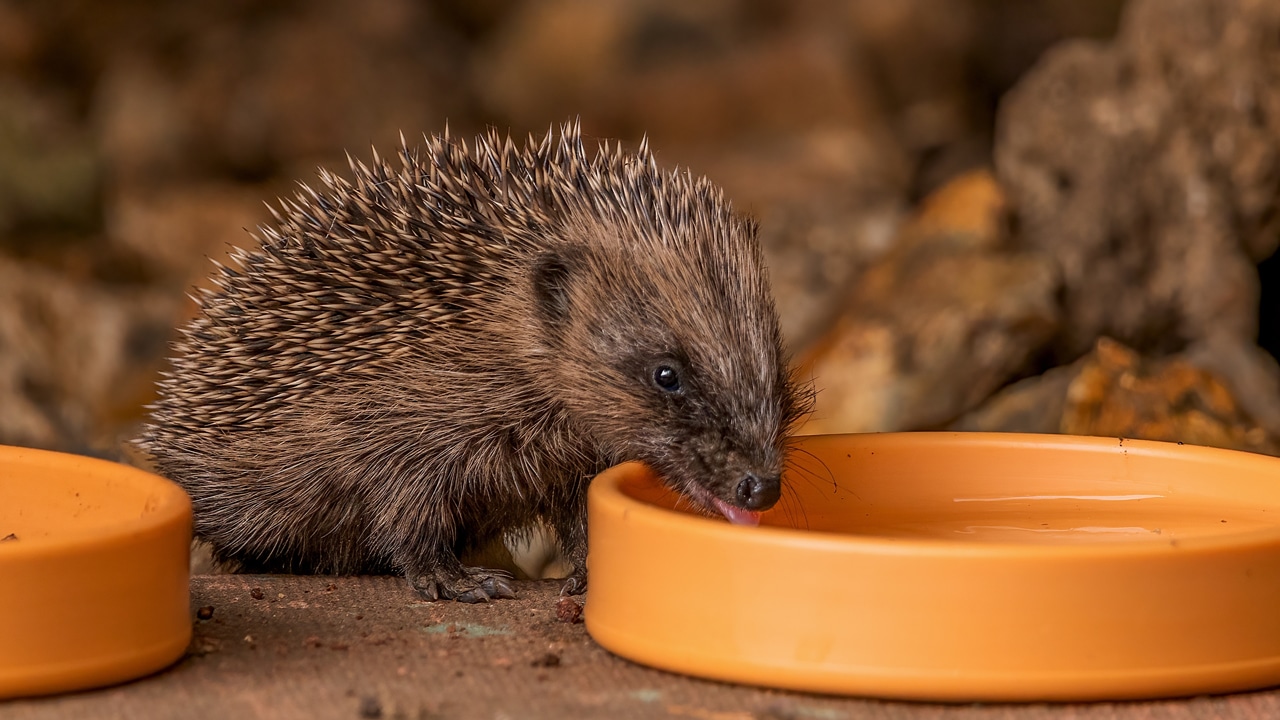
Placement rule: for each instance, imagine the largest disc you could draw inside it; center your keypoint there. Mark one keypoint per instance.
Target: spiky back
(401, 260)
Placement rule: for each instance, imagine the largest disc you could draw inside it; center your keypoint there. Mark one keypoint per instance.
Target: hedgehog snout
(754, 492)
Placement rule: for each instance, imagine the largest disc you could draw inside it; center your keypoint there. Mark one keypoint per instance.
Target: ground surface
(367, 648)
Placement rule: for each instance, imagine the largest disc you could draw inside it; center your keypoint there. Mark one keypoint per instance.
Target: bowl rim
(172, 504)
(607, 489)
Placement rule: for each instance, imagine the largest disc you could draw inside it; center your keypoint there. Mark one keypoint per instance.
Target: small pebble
(549, 660)
(201, 646)
(370, 707)
(205, 612)
(568, 610)
(256, 594)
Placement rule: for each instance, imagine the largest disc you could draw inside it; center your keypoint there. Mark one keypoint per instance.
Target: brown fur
(445, 352)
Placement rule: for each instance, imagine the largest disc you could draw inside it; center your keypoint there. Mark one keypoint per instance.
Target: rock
(939, 65)
(49, 170)
(945, 318)
(1250, 372)
(19, 38)
(176, 230)
(828, 203)
(78, 362)
(686, 73)
(1113, 391)
(235, 90)
(814, 254)
(1118, 393)
(921, 52)
(765, 99)
(1031, 405)
(1148, 170)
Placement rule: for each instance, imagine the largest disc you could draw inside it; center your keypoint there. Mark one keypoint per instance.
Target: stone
(1030, 405)
(77, 362)
(941, 321)
(255, 92)
(685, 73)
(828, 203)
(1148, 169)
(1115, 391)
(49, 170)
(177, 230)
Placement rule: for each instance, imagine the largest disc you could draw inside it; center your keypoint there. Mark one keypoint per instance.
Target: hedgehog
(442, 352)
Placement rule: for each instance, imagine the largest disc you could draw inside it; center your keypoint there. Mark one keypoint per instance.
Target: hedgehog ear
(551, 288)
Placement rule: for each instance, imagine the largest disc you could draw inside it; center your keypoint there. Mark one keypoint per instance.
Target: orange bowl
(959, 567)
(94, 571)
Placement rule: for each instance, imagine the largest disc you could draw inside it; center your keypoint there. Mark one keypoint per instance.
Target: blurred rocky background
(1036, 215)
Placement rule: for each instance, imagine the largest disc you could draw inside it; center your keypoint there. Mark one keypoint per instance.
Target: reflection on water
(1057, 520)
(973, 529)
(1090, 498)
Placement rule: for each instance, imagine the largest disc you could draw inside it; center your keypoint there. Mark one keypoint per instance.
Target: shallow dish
(957, 566)
(94, 573)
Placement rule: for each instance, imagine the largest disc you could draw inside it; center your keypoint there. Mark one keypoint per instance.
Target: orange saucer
(93, 572)
(961, 567)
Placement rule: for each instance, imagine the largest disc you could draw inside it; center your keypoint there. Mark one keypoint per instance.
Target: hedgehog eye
(666, 378)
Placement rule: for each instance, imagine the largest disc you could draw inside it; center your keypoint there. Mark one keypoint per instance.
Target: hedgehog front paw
(472, 585)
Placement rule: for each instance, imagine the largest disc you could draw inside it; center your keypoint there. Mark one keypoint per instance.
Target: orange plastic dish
(93, 574)
(959, 567)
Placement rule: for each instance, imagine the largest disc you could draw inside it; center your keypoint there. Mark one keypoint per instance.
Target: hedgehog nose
(757, 493)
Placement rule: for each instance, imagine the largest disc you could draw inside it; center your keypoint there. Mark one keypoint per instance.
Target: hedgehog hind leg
(430, 563)
(425, 542)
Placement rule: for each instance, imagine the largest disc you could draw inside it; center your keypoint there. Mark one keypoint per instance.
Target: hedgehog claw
(471, 585)
(474, 595)
(498, 588)
(426, 587)
(575, 584)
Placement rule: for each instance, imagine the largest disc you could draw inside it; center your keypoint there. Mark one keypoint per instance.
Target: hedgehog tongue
(737, 516)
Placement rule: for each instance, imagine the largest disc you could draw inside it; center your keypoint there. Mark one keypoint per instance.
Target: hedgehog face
(656, 368)
(710, 438)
